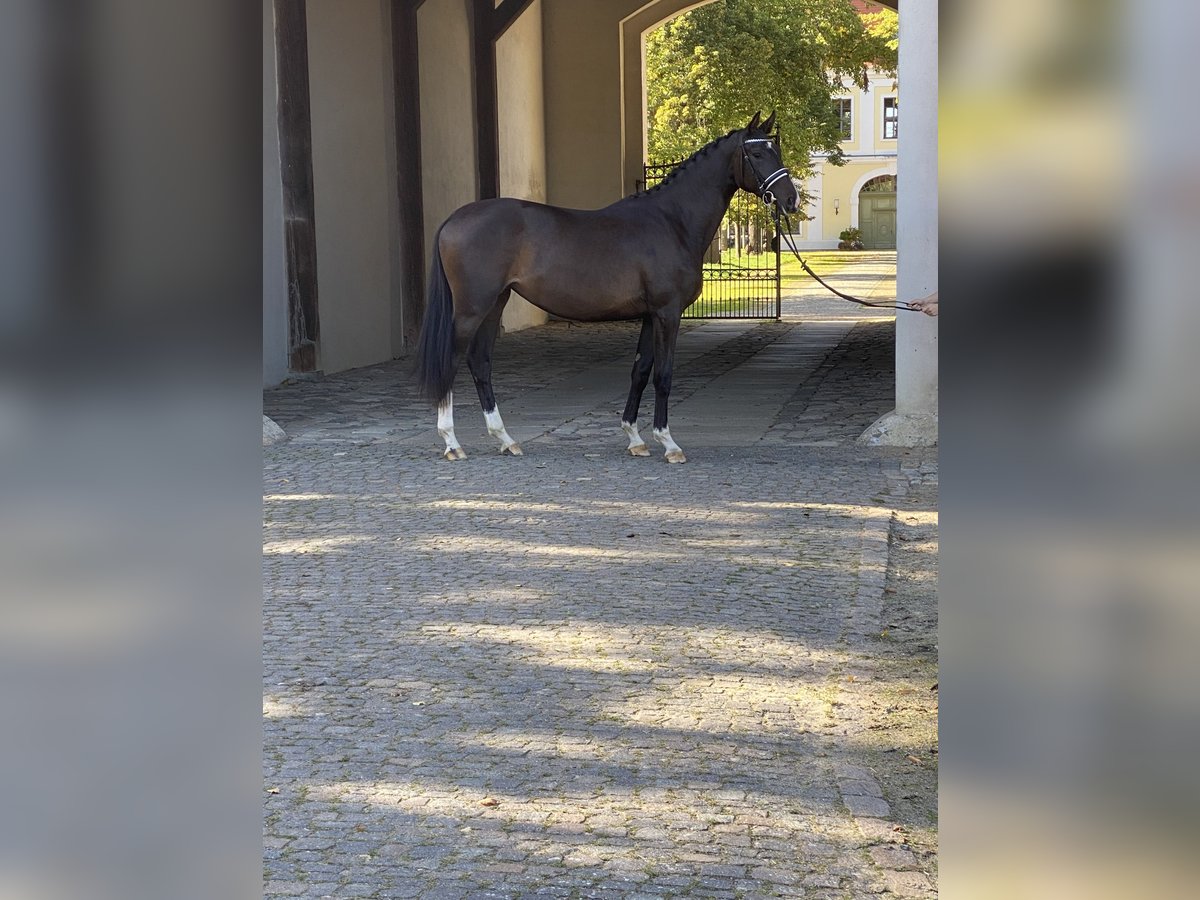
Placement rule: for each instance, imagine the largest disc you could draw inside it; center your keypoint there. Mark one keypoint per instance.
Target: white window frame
(848, 119)
(894, 121)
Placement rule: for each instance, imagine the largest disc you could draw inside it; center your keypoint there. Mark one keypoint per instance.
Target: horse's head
(759, 168)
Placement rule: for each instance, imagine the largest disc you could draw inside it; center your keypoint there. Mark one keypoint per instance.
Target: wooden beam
(504, 15)
(487, 127)
(488, 23)
(295, 162)
(407, 122)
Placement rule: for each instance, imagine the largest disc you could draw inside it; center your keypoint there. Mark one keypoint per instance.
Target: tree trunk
(713, 253)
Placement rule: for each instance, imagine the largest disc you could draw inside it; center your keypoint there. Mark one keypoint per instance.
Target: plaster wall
(595, 95)
(521, 109)
(447, 112)
(349, 51)
(584, 83)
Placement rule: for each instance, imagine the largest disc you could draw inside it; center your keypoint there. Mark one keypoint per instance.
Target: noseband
(764, 184)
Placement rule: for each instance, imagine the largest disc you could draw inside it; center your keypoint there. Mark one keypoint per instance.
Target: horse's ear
(754, 122)
(770, 123)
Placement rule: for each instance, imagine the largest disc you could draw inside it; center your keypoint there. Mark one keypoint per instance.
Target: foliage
(710, 69)
(850, 239)
(883, 28)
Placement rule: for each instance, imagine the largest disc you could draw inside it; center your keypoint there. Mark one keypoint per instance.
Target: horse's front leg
(642, 364)
(666, 330)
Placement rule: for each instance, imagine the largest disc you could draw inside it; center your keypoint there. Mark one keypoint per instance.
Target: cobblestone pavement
(580, 674)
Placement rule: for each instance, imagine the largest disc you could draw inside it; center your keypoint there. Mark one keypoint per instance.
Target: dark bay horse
(640, 258)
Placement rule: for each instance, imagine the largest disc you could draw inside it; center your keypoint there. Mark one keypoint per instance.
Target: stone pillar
(914, 420)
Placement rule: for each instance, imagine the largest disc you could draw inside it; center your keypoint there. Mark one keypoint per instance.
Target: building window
(842, 109)
(891, 118)
(880, 184)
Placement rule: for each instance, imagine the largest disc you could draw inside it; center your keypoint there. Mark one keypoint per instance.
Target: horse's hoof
(453, 453)
(514, 449)
(639, 450)
(676, 456)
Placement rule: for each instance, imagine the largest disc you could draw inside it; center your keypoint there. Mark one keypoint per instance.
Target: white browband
(774, 177)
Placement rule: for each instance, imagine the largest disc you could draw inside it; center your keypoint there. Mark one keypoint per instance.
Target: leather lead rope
(787, 237)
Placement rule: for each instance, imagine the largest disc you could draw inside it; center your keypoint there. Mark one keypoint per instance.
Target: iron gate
(741, 266)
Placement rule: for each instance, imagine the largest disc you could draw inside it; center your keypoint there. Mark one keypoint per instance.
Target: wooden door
(877, 219)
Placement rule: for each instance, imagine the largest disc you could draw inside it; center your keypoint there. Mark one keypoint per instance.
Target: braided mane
(702, 152)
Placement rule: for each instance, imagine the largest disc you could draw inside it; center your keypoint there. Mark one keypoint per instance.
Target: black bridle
(769, 200)
(764, 184)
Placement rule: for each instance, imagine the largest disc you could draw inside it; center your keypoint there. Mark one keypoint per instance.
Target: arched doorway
(877, 213)
(634, 29)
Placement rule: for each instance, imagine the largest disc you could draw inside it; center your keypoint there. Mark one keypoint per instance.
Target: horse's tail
(435, 348)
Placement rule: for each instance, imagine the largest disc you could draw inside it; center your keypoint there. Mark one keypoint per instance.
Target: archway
(888, 169)
(634, 29)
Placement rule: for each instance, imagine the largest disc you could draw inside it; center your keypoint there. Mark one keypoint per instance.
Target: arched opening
(634, 29)
(741, 265)
(876, 201)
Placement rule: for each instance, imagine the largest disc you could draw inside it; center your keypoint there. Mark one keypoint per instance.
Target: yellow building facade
(861, 193)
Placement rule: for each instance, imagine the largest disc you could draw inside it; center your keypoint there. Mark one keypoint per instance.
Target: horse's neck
(699, 196)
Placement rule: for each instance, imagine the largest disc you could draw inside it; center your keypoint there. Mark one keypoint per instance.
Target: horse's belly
(585, 295)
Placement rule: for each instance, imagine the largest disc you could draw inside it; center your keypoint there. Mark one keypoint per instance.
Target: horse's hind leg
(642, 364)
(479, 361)
(465, 329)
(445, 427)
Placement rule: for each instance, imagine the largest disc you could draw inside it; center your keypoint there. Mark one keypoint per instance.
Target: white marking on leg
(495, 427)
(445, 428)
(674, 453)
(637, 447)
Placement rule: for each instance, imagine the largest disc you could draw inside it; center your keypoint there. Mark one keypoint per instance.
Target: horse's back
(580, 264)
(530, 220)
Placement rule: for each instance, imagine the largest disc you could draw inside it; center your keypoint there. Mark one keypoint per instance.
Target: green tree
(710, 69)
